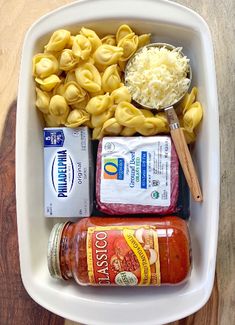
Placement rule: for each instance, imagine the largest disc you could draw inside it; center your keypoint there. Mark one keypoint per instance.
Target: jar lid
(53, 251)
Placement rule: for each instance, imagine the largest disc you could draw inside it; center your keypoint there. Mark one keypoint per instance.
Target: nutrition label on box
(136, 170)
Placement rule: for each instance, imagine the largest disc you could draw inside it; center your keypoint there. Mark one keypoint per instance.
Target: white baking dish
(168, 22)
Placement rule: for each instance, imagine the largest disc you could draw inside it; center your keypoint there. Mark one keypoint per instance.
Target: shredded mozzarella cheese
(157, 77)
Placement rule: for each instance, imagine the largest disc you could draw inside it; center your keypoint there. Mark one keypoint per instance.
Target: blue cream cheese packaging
(68, 172)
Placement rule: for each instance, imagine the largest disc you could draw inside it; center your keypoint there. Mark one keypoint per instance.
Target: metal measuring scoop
(177, 134)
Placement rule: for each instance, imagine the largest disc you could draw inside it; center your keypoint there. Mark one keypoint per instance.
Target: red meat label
(123, 255)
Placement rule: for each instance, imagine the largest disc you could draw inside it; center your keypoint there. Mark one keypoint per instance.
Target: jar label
(123, 255)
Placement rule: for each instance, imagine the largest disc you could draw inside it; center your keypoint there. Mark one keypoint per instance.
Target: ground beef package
(139, 175)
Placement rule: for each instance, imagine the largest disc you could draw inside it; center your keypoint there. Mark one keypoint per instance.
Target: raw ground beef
(123, 209)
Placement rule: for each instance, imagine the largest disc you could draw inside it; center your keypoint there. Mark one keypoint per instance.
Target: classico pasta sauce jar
(121, 251)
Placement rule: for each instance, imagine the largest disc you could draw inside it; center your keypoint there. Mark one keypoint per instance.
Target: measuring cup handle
(184, 155)
(186, 163)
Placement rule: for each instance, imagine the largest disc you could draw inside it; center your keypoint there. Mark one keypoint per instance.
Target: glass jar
(121, 251)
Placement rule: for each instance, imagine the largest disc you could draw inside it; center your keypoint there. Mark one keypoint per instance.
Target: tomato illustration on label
(123, 255)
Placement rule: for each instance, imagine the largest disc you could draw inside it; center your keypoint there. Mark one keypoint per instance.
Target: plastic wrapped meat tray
(120, 208)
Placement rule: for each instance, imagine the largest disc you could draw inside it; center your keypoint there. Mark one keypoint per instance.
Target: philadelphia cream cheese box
(67, 172)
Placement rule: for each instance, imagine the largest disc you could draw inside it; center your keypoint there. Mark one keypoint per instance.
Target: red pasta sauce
(121, 251)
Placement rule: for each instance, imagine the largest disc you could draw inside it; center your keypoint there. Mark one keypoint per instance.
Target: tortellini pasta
(106, 55)
(109, 39)
(42, 100)
(98, 120)
(59, 89)
(128, 132)
(99, 104)
(128, 115)
(192, 113)
(193, 116)
(129, 43)
(80, 81)
(100, 92)
(88, 124)
(81, 47)
(48, 83)
(112, 127)
(151, 126)
(44, 65)
(52, 121)
(163, 117)
(123, 31)
(189, 136)
(58, 41)
(122, 65)
(146, 112)
(188, 100)
(58, 106)
(143, 40)
(69, 44)
(92, 37)
(82, 104)
(120, 95)
(97, 133)
(67, 60)
(73, 93)
(76, 118)
(70, 76)
(111, 79)
(88, 77)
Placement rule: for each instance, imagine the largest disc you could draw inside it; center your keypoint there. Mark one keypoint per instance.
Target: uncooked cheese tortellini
(189, 136)
(58, 106)
(163, 117)
(128, 115)
(48, 83)
(69, 44)
(44, 65)
(98, 120)
(128, 132)
(70, 76)
(109, 39)
(81, 47)
(99, 104)
(42, 100)
(73, 93)
(193, 116)
(143, 40)
(67, 60)
(92, 37)
(58, 41)
(88, 77)
(111, 79)
(79, 81)
(52, 121)
(82, 104)
(59, 89)
(76, 118)
(129, 43)
(123, 31)
(106, 55)
(100, 92)
(121, 94)
(146, 112)
(188, 100)
(112, 127)
(151, 126)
